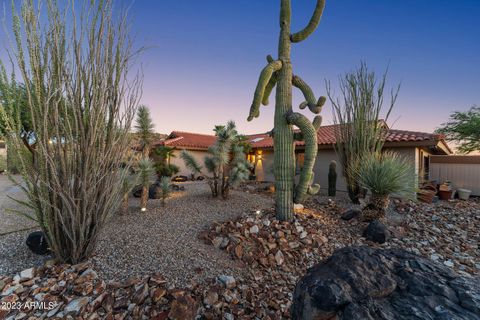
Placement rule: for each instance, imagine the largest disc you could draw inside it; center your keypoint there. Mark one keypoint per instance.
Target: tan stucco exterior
(325, 156)
(198, 155)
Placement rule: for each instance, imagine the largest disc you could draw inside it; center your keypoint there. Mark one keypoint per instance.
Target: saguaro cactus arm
(310, 101)
(312, 24)
(268, 89)
(265, 77)
(309, 133)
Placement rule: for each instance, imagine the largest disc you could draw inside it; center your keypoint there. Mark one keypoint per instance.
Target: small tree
(464, 129)
(359, 131)
(81, 99)
(128, 182)
(226, 164)
(145, 129)
(145, 176)
(165, 188)
(15, 118)
(383, 174)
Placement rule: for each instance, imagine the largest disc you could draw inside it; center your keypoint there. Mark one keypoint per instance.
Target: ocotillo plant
(332, 179)
(279, 72)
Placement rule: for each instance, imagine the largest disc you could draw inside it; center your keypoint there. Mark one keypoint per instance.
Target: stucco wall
(324, 157)
(177, 160)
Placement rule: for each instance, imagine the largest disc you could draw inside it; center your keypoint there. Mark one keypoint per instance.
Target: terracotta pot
(445, 195)
(426, 195)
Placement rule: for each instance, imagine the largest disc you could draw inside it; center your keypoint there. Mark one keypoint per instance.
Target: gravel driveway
(161, 240)
(9, 221)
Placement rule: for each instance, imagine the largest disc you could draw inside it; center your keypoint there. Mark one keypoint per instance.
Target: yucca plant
(145, 129)
(384, 174)
(146, 176)
(129, 181)
(226, 164)
(165, 188)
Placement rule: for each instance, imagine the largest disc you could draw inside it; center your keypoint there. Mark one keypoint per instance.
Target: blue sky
(204, 57)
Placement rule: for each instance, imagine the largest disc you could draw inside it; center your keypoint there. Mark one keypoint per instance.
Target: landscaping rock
(366, 283)
(37, 243)
(298, 207)
(351, 213)
(228, 281)
(376, 232)
(154, 192)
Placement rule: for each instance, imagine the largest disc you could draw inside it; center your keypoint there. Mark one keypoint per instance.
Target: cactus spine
(279, 72)
(332, 179)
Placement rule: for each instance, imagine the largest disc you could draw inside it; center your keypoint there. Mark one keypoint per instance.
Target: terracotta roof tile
(187, 140)
(326, 136)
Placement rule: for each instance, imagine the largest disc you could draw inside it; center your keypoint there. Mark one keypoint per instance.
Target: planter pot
(445, 195)
(426, 196)
(464, 194)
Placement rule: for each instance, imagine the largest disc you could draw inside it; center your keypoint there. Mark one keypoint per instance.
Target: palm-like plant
(226, 163)
(163, 167)
(384, 174)
(165, 188)
(144, 127)
(128, 182)
(145, 176)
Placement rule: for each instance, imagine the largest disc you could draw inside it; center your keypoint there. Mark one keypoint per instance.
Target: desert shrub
(128, 179)
(146, 176)
(226, 165)
(3, 163)
(164, 188)
(166, 170)
(359, 131)
(81, 97)
(384, 174)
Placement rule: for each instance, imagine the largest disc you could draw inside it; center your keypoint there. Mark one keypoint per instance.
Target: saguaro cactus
(279, 72)
(332, 179)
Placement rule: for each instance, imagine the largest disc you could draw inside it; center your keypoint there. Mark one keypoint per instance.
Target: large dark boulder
(361, 283)
(37, 243)
(351, 213)
(376, 232)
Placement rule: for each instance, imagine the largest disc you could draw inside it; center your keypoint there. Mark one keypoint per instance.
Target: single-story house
(415, 146)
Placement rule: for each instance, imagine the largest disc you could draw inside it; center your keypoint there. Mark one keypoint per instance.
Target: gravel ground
(9, 221)
(166, 240)
(161, 240)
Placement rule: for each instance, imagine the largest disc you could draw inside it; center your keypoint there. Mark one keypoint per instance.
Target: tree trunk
(125, 203)
(144, 198)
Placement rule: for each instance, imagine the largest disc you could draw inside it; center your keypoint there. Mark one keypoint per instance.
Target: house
(417, 147)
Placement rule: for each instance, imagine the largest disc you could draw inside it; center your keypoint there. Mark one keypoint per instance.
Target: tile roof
(187, 140)
(326, 136)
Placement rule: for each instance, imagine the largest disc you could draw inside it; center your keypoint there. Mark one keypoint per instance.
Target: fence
(461, 171)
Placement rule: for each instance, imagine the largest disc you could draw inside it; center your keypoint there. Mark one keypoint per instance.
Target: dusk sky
(205, 56)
